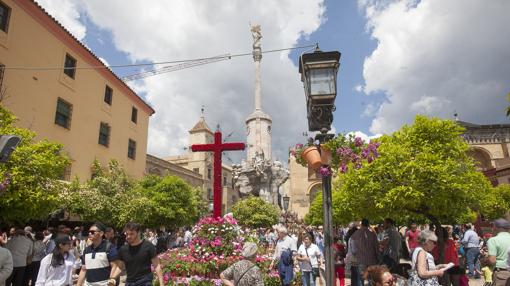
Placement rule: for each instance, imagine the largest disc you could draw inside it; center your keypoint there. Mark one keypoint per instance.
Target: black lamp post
(318, 73)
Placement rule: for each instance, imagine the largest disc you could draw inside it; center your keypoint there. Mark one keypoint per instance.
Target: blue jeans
(472, 261)
(308, 278)
(361, 270)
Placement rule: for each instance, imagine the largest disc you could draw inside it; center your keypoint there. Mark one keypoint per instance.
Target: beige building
(48, 83)
(197, 167)
(301, 187)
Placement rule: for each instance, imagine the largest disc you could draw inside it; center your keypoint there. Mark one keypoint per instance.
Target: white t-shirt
(313, 252)
(57, 276)
(286, 243)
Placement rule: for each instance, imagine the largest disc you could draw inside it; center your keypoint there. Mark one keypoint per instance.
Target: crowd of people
(368, 254)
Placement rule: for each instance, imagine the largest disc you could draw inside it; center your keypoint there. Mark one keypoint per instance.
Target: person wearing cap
(498, 252)
(244, 272)
(99, 259)
(58, 267)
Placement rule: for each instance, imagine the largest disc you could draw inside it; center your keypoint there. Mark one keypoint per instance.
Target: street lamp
(318, 73)
(286, 200)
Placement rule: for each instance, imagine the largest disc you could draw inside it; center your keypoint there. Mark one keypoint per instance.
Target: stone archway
(313, 190)
(482, 158)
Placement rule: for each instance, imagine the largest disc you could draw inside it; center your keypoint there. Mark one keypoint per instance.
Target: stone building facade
(489, 147)
(93, 113)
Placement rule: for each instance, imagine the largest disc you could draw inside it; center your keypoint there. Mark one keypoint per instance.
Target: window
(209, 194)
(224, 181)
(209, 173)
(132, 149)
(70, 66)
(5, 13)
(104, 134)
(63, 114)
(134, 114)
(196, 170)
(108, 95)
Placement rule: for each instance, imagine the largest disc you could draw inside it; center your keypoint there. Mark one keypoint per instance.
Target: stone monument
(258, 175)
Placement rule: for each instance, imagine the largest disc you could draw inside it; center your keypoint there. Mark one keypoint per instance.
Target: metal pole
(328, 231)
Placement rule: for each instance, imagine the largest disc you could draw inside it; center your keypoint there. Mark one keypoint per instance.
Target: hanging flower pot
(326, 156)
(312, 156)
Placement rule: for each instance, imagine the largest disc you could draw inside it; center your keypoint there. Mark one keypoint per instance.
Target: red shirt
(450, 252)
(413, 238)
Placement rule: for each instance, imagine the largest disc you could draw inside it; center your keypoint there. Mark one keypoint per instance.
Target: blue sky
(400, 58)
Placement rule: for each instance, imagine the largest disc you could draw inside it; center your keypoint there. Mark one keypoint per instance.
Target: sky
(400, 58)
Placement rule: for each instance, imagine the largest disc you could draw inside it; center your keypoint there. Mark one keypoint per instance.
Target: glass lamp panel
(322, 81)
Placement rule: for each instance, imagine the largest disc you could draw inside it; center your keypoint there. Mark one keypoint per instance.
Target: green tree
(255, 212)
(33, 172)
(104, 196)
(423, 171)
(496, 203)
(170, 202)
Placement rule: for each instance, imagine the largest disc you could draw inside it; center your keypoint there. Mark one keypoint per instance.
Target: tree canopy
(114, 198)
(422, 173)
(31, 176)
(172, 202)
(496, 203)
(254, 212)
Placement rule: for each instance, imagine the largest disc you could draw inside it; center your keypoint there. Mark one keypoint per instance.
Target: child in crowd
(486, 272)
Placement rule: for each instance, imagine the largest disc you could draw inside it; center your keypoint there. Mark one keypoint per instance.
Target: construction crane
(185, 65)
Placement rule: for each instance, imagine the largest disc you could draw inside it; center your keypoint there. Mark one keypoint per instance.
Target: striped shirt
(97, 262)
(366, 246)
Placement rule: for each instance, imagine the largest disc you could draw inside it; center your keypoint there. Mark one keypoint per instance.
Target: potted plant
(340, 154)
(307, 155)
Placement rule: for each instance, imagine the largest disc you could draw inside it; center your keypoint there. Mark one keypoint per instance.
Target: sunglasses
(93, 231)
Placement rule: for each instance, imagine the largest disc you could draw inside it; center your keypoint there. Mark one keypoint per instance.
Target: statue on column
(257, 35)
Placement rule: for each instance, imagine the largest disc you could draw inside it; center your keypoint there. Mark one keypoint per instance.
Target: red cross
(217, 147)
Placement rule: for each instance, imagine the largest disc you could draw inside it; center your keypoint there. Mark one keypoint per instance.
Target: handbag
(315, 270)
(416, 280)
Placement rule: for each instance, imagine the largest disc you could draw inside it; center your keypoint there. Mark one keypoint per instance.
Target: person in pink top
(412, 238)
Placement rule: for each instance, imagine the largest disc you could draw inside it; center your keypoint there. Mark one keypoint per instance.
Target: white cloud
(358, 88)
(173, 30)
(365, 137)
(434, 57)
(67, 13)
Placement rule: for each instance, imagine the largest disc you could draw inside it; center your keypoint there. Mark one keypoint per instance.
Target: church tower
(258, 124)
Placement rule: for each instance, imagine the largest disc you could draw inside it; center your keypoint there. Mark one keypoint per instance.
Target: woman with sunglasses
(57, 267)
(424, 271)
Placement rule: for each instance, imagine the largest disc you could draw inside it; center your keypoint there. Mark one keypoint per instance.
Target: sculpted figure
(257, 35)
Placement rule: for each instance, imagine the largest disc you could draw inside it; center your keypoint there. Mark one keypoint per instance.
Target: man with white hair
(286, 246)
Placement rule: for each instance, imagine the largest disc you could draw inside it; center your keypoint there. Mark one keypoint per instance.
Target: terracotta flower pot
(312, 156)
(326, 156)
